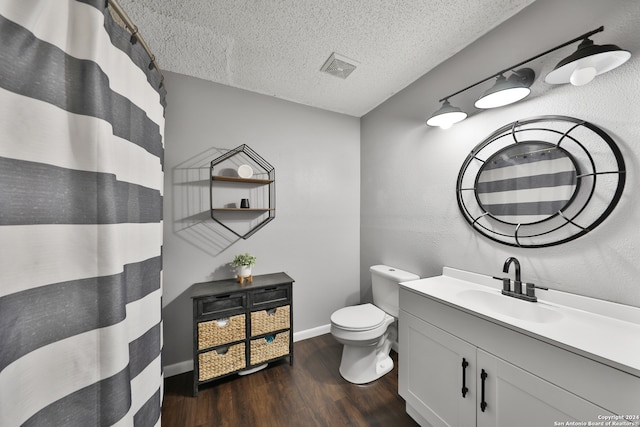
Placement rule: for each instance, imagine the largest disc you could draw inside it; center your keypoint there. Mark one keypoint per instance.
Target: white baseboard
(178, 368)
(310, 333)
(187, 365)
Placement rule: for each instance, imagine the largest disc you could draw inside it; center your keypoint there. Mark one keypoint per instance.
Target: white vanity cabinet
(527, 382)
(432, 376)
(515, 397)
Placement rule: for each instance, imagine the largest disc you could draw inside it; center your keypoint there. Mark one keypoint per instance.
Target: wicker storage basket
(219, 362)
(265, 321)
(221, 331)
(263, 350)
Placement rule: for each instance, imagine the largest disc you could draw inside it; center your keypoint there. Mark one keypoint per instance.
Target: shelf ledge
(244, 209)
(238, 179)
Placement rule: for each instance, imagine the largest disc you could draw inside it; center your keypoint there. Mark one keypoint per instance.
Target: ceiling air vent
(339, 66)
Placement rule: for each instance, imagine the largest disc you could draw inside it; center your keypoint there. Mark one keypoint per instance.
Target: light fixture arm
(582, 37)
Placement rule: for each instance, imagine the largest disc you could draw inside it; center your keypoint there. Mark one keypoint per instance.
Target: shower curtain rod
(135, 35)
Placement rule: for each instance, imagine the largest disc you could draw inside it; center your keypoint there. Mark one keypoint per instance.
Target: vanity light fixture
(508, 90)
(446, 116)
(580, 68)
(588, 61)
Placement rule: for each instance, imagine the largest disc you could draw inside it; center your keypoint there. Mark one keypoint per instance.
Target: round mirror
(527, 182)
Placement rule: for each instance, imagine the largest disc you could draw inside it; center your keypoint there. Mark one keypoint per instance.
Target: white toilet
(369, 331)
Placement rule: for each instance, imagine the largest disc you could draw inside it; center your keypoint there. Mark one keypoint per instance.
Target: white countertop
(600, 330)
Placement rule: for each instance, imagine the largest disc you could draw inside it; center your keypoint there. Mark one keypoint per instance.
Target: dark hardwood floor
(309, 393)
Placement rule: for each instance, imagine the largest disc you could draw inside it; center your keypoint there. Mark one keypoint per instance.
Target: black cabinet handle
(483, 403)
(464, 377)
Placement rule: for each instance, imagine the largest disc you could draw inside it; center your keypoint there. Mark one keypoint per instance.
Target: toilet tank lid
(393, 273)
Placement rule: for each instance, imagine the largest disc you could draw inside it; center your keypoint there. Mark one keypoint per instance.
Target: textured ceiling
(277, 47)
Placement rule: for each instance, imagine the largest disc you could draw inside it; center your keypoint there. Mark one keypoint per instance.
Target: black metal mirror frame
(535, 234)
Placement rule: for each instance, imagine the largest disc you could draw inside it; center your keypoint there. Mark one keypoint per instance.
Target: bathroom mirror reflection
(527, 182)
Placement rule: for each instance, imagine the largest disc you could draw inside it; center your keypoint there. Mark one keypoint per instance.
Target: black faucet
(517, 284)
(529, 294)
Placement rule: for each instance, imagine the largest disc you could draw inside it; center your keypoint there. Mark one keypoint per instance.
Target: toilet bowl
(368, 331)
(362, 329)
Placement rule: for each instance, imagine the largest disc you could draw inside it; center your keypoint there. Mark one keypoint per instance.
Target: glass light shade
(446, 116)
(447, 125)
(582, 76)
(588, 55)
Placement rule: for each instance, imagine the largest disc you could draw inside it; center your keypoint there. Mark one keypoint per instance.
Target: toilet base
(361, 365)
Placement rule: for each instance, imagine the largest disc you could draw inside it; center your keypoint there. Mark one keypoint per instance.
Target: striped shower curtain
(81, 149)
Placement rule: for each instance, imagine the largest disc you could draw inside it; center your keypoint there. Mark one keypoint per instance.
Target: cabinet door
(515, 397)
(431, 373)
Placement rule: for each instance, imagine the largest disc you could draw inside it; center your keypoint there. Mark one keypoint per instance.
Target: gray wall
(315, 235)
(410, 218)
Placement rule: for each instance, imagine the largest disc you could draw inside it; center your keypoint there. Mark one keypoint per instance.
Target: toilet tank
(384, 283)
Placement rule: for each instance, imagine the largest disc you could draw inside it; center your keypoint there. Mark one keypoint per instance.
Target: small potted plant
(243, 264)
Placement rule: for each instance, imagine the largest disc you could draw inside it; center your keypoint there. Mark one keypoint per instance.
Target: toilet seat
(361, 317)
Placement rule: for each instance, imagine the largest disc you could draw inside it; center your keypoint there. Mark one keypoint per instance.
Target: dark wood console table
(238, 327)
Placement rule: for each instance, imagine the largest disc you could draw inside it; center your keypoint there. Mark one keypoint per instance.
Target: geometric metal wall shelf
(541, 181)
(242, 174)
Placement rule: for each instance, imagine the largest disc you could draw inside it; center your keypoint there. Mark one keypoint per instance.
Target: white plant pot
(243, 271)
